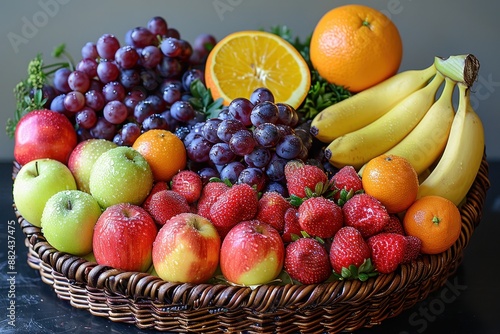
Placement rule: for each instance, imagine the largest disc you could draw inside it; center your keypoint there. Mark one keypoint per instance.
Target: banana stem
(460, 68)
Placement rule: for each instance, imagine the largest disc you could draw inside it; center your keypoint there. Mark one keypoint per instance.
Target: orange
(436, 221)
(246, 60)
(164, 152)
(356, 47)
(392, 180)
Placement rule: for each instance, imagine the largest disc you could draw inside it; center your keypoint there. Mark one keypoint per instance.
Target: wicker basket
(149, 302)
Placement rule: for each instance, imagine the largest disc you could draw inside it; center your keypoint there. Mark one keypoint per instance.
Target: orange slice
(246, 60)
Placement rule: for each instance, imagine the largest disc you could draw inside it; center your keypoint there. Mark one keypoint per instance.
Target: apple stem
(68, 205)
(36, 168)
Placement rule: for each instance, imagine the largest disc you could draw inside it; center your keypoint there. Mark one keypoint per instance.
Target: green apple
(82, 159)
(68, 221)
(120, 175)
(36, 182)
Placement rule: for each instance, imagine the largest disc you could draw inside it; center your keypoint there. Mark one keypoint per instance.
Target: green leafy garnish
(363, 273)
(203, 101)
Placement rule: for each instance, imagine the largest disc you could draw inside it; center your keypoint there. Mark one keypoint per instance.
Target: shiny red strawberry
(238, 203)
(307, 261)
(272, 208)
(413, 247)
(388, 251)
(393, 225)
(165, 204)
(188, 184)
(160, 185)
(209, 195)
(349, 248)
(302, 179)
(365, 213)
(320, 217)
(292, 226)
(345, 183)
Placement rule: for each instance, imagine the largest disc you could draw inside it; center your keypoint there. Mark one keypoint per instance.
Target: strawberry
(292, 226)
(345, 183)
(157, 186)
(209, 195)
(388, 251)
(350, 255)
(365, 213)
(272, 208)
(413, 246)
(165, 204)
(320, 217)
(238, 203)
(302, 180)
(188, 184)
(393, 225)
(307, 261)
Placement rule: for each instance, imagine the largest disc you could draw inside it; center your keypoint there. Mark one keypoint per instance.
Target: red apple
(44, 134)
(123, 238)
(252, 253)
(186, 249)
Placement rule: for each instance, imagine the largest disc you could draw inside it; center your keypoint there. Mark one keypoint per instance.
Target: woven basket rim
(432, 270)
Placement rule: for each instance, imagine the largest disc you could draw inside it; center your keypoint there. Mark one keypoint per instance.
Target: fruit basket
(151, 303)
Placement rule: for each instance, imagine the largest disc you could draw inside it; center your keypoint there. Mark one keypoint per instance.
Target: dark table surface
(468, 303)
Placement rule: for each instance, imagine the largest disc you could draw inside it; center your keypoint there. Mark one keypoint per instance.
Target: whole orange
(436, 221)
(392, 180)
(355, 46)
(164, 152)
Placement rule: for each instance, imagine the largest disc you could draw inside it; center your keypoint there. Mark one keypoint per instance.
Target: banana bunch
(412, 115)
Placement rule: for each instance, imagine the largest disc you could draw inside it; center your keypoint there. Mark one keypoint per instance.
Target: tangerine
(246, 60)
(436, 221)
(355, 46)
(392, 180)
(164, 152)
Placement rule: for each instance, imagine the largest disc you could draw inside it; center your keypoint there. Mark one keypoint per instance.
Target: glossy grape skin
(113, 91)
(240, 108)
(242, 142)
(115, 112)
(170, 68)
(74, 101)
(204, 43)
(107, 45)
(198, 149)
(88, 66)
(150, 56)
(275, 170)
(264, 112)
(206, 173)
(86, 118)
(253, 177)
(182, 111)
(209, 130)
(305, 136)
(126, 57)
(289, 147)
(155, 121)
(79, 81)
(57, 104)
(60, 80)
(232, 171)
(285, 113)
(228, 127)
(260, 95)
(191, 75)
(157, 103)
(89, 50)
(278, 187)
(259, 157)
(140, 37)
(221, 154)
(103, 129)
(95, 99)
(107, 71)
(171, 47)
(130, 78)
(158, 26)
(129, 133)
(171, 93)
(267, 135)
(142, 110)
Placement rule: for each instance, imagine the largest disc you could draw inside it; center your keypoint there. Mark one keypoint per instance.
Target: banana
(358, 147)
(457, 168)
(366, 106)
(426, 142)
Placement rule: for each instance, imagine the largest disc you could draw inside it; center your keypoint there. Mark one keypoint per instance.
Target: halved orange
(246, 60)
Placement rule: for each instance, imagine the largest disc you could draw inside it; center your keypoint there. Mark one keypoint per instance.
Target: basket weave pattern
(149, 302)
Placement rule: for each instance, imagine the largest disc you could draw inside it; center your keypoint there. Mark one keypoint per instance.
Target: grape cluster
(250, 142)
(119, 90)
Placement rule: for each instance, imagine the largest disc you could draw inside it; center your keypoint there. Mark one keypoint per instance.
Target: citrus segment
(355, 46)
(164, 152)
(244, 61)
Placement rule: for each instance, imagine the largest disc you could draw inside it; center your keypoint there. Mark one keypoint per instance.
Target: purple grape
(240, 109)
(232, 171)
(60, 80)
(275, 170)
(254, 177)
(89, 50)
(264, 112)
(277, 187)
(242, 142)
(171, 47)
(191, 75)
(209, 130)
(260, 95)
(129, 133)
(289, 147)
(96, 84)
(171, 93)
(306, 137)
(95, 99)
(182, 111)
(158, 104)
(74, 101)
(204, 43)
(117, 139)
(259, 157)
(126, 57)
(155, 121)
(142, 110)
(88, 66)
(115, 112)
(103, 129)
(140, 37)
(113, 91)
(130, 78)
(149, 79)
(266, 135)
(224, 114)
(172, 32)
(198, 149)
(206, 173)
(48, 93)
(107, 45)
(186, 50)
(188, 138)
(107, 71)
(170, 68)
(285, 130)
(221, 154)
(150, 56)
(172, 122)
(57, 104)
(285, 113)
(86, 118)
(228, 127)
(158, 26)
